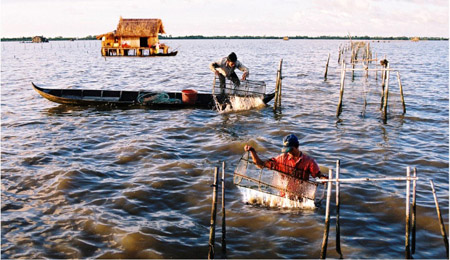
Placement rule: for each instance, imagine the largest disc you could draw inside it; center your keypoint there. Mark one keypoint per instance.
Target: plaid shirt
(301, 167)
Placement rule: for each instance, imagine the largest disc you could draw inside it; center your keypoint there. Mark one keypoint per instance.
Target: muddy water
(135, 183)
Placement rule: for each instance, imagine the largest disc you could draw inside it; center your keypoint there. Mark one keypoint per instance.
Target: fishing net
(246, 88)
(273, 188)
(231, 97)
(156, 98)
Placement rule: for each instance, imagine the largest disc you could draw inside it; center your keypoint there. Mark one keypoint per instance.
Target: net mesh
(272, 187)
(246, 88)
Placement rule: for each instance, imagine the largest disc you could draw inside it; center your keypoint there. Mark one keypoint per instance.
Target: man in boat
(291, 161)
(225, 67)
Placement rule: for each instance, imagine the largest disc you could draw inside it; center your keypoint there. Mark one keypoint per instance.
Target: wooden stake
(441, 222)
(277, 101)
(338, 228)
(323, 251)
(353, 71)
(224, 244)
(376, 65)
(401, 92)
(413, 219)
(212, 229)
(408, 222)
(279, 82)
(386, 96)
(383, 82)
(339, 57)
(341, 94)
(326, 67)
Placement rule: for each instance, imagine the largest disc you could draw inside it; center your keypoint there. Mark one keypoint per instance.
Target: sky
(80, 18)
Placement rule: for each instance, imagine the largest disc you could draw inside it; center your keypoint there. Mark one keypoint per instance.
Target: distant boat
(286, 38)
(415, 39)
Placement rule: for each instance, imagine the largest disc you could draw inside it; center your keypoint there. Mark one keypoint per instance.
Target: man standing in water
(292, 161)
(225, 67)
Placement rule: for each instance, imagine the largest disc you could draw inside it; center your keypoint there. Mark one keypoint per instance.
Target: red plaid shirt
(300, 167)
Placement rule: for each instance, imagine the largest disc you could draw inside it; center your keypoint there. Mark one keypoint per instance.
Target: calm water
(135, 183)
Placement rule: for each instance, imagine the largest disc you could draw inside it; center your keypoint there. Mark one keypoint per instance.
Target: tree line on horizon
(200, 37)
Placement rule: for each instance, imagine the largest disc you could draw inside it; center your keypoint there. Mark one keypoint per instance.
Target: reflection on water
(102, 182)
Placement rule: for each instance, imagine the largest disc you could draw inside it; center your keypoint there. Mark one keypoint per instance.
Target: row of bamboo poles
(367, 58)
(410, 214)
(52, 45)
(410, 211)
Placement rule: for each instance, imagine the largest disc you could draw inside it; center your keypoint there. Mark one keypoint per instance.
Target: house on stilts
(135, 37)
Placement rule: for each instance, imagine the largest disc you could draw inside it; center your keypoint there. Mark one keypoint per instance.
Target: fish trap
(246, 88)
(273, 188)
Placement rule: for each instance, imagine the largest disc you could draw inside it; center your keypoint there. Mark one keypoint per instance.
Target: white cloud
(233, 17)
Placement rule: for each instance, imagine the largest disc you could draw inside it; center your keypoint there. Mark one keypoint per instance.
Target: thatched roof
(110, 34)
(139, 27)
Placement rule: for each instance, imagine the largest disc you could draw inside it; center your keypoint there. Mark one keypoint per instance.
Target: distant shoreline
(201, 37)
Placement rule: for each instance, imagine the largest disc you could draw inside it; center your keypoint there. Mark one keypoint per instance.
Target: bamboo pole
(212, 229)
(401, 92)
(341, 93)
(386, 96)
(353, 71)
(376, 65)
(338, 226)
(224, 243)
(275, 102)
(408, 213)
(350, 180)
(383, 82)
(339, 57)
(280, 82)
(441, 222)
(413, 219)
(326, 67)
(323, 251)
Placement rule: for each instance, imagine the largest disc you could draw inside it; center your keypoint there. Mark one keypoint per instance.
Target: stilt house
(135, 37)
(38, 39)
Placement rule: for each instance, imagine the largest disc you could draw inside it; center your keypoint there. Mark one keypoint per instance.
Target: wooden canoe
(163, 100)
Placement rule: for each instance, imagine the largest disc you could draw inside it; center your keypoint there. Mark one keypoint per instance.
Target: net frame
(276, 183)
(247, 88)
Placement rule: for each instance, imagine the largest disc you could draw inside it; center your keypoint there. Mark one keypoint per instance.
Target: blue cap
(289, 141)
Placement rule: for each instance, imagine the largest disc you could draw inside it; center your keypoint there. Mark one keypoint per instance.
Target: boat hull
(166, 100)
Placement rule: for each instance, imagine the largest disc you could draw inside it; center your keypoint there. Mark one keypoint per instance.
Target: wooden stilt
(341, 93)
(441, 222)
(326, 67)
(413, 218)
(212, 229)
(408, 222)
(401, 92)
(224, 243)
(338, 226)
(323, 251)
